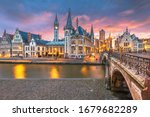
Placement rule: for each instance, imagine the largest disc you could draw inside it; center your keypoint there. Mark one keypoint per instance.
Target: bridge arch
(119, 82)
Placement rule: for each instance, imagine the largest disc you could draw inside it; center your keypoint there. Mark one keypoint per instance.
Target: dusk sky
(113, 16)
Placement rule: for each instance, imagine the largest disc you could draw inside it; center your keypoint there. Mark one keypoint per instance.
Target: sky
(37, 16)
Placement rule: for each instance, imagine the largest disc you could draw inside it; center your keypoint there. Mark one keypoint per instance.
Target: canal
(65, 73)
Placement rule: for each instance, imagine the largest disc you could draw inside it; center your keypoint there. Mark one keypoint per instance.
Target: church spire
(127, 30)
(92, 33)
(69, 21)
(4, 31)
(77, 22)
(56, 21)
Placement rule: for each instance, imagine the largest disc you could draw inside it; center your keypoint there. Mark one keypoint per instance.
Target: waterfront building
(130, 43)
(20, 39)
(78, 42)
(5, 45)
(108, 43)
(102, 45)
(55, 48)
(102, 35)
(96, 45)
(36, 48)
(146, 43)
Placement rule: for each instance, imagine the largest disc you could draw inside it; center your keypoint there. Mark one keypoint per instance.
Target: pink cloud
(38, 19)
(127, 12)
(43, 25)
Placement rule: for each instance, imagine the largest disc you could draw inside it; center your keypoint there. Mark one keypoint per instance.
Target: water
(27, 71)
(41, 71)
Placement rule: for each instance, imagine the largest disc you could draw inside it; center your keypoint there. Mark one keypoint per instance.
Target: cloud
(127, 12)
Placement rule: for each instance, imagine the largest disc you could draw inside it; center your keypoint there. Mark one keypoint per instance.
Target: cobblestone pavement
(54, 89)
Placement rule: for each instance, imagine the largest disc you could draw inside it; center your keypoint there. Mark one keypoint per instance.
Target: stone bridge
(128, 73)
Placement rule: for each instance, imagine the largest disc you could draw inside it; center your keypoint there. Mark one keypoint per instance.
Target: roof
(41, 42)
(7, 36)
(82, 31)
(11, 36)
(56, 43)
(25, 36)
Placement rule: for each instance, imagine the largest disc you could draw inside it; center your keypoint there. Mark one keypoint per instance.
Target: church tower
(68, 30)
(56, 29)
(92, 34)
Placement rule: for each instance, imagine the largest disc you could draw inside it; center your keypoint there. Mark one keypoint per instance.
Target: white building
(130, 43)
(19, 42)
(78, 42)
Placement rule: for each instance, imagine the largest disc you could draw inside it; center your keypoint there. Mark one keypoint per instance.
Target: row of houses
(77, 42)
(126, 42)
(26, 44)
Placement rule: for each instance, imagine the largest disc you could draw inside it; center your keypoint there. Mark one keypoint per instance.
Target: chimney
(29, 37)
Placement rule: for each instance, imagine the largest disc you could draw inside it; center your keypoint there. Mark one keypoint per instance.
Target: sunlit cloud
(113, 17)
(127, 12)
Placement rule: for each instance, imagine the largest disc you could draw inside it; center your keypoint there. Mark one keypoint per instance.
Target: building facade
(129, 43)
(78, 42)
(20, 41)
(6, 45)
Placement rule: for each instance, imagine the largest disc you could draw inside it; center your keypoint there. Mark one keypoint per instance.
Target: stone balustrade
(139, 63)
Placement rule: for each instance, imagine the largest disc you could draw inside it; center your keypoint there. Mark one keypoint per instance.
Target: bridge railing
(139, 63)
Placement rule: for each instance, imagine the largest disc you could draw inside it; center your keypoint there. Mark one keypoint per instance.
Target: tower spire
(126, 29)
(4, 31)
(92, 33)
(56, 21)
(69, 21)
(77, 22)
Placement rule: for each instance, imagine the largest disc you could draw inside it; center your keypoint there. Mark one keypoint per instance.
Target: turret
(77, 24)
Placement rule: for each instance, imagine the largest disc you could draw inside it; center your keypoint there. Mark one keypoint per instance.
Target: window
(126, 44)
(33, 48)
(61, 50)
(17, 36)
(38, 48)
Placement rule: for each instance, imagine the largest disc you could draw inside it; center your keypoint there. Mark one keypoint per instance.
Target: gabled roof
(7, 36)
(11, 36)
(82, 31)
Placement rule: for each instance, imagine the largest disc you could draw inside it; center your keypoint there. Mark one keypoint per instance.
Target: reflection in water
(54, 74)
(19, 71)
(84, 70)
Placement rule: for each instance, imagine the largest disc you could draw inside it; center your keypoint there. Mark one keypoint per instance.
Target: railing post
(130, 61)
(137, 66)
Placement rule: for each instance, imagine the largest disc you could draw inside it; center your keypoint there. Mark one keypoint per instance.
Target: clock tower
(56, 29)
